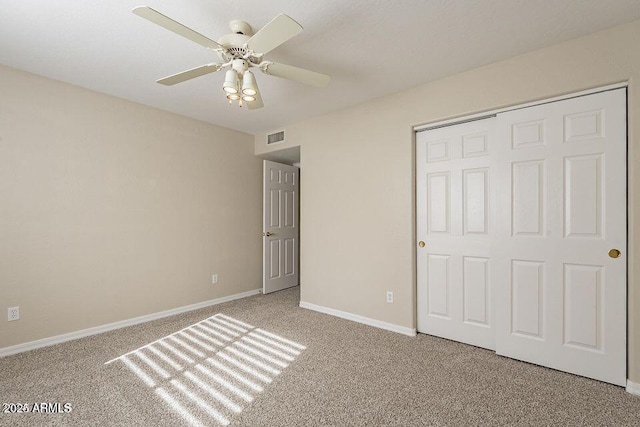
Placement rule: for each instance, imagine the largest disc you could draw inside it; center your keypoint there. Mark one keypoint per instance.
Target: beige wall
(358, 188)
(111, 210)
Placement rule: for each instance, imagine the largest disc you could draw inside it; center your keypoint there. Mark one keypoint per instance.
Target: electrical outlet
(389, 296)
(214, 279)
(13, 313)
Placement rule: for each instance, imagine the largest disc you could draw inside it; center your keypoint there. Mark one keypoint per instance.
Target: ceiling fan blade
(258, 102)
(189, 74)
(296, 74)
(279, 30)
(164, 21)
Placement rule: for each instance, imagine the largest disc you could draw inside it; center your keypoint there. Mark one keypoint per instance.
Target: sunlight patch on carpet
(208, 371)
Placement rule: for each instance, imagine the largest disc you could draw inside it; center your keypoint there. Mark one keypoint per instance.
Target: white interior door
(280, 227)
(560, 298)
(453, 220)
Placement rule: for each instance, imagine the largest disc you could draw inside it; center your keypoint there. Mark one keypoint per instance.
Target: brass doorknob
(268, 234)
(614, 253)
(421, 244)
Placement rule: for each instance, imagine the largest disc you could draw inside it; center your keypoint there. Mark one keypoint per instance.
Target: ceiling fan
(240, 51)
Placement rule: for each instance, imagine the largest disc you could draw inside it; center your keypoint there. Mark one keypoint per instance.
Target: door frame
(455, 120)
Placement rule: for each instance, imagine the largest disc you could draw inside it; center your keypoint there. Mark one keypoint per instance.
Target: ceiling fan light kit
(230, 84)
(240, 51)
(249, 86)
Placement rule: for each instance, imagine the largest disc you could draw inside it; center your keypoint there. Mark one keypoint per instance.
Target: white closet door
(561, 174)
(453, 203)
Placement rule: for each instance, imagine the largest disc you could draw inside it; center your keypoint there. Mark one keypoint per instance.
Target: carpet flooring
(263, 361)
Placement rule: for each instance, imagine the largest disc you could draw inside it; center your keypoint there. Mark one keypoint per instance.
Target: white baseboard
(45, 342)
(360, 319)
(633, 388)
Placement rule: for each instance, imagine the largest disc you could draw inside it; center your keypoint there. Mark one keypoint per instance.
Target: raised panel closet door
(560, 298)
(454, 220)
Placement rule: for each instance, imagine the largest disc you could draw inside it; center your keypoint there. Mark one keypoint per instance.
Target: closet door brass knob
(614, 253)
(421, 244)
(268, 234)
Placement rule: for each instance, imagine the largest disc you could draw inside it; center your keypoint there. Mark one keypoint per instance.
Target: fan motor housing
(234, 45)
(233, 40)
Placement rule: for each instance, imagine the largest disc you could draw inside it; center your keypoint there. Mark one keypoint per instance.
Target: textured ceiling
(370, 47)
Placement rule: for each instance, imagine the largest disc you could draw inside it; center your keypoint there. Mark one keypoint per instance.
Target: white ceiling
(370, 47)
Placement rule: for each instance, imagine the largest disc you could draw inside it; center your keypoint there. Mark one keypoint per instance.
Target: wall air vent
(274, 138)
